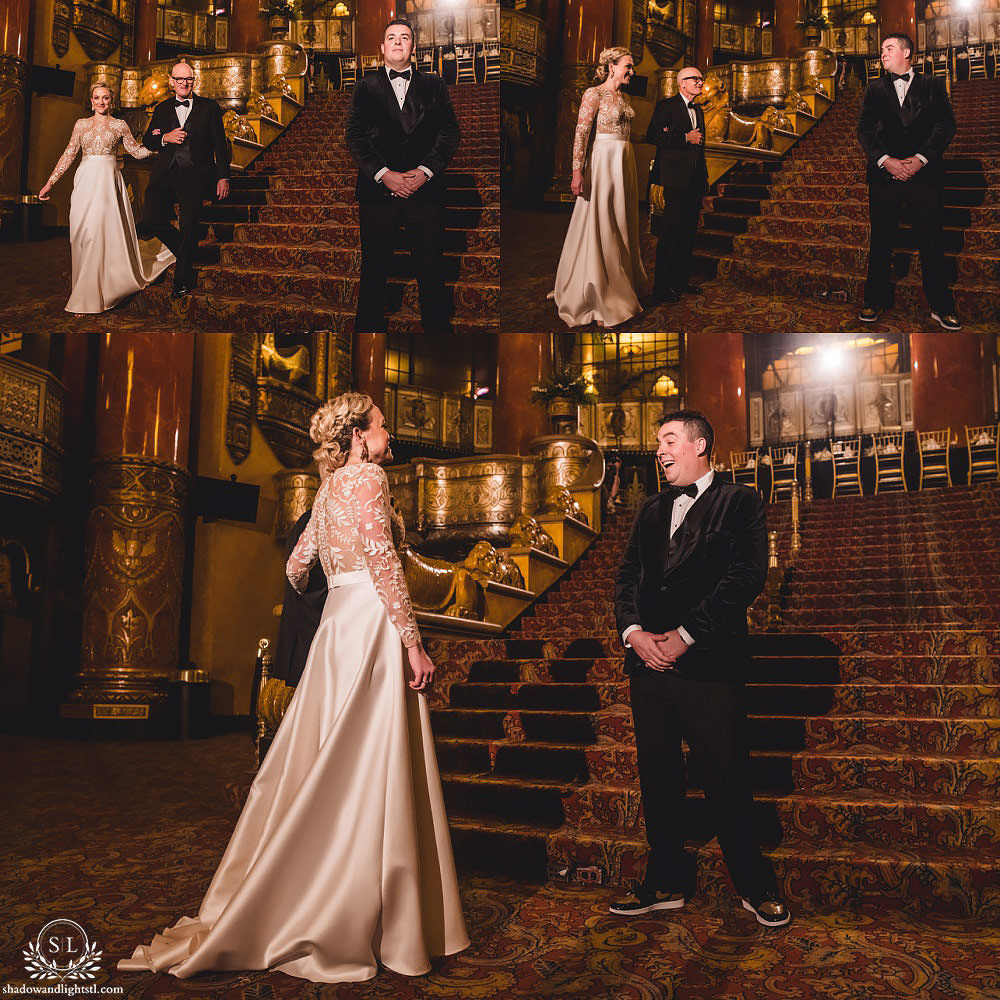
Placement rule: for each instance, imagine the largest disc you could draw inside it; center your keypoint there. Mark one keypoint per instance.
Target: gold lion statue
(237, 127)
(562, 502)
(527, 531)
(485, 563)
(722, 124)
(797, 103)
(280, 84)
(773, 118)
(260, 107)
(815, 84)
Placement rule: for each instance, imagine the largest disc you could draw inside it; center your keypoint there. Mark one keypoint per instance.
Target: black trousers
(677, 232)
(711, 717)
(184, 187)
(921, 206)
(380, 225)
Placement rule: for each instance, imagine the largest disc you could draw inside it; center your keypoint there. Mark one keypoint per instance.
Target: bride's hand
(422, 667)
(576, 185)
(43, 195)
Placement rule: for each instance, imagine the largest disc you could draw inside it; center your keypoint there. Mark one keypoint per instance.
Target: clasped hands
(658, 650)
(403, 185)
(902, 170)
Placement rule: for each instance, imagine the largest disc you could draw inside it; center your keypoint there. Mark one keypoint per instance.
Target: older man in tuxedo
(905, 126)
(402, 133)
(677, 129)
(695, 560)
(192, 164)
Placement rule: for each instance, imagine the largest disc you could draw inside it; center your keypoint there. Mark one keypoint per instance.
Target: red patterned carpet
(123, 838)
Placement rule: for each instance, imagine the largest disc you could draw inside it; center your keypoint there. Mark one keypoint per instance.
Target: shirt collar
(386, 71)
(705, 481)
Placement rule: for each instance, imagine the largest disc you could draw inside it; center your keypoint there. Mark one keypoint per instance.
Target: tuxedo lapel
(409, 115)
(688, 534)
(913, 101)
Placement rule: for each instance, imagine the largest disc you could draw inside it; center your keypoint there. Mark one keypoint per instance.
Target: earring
(364, 450)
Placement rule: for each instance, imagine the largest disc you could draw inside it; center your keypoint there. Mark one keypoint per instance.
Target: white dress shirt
(902, 86)
(182, 112)
(400, 85)
(691, 112)
(682, 504)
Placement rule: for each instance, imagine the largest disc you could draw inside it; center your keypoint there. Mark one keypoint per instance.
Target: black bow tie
(690, 490)
(182, 104)
(899, 76)
(395, 74)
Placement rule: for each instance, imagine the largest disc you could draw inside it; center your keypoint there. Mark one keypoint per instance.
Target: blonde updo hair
(103, 86)
(608, 57)
(333, 426)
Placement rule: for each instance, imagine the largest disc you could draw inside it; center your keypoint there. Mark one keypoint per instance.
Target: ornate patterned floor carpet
(124, 838)
(875, 718)
(284, 251)
(784, 248)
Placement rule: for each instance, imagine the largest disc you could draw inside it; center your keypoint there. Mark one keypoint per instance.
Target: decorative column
(145, 32)
(951, 381)
(715, 380)
(898, 15)
(369, 365)
(246, 26)
(704, 34)
(588, 28)
(523, 359)
(14, 22)
(369, 25)
(786, 36)
(136, 527)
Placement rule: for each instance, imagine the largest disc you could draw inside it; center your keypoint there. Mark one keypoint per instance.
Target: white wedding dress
(109, 261)
(341, 858)
(600, 272)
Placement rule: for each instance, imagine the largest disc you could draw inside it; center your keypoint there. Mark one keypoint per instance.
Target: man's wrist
(628, 632)
(685, 635)
(921, 158)
(380, 174)
(426, 170)
(882, 159)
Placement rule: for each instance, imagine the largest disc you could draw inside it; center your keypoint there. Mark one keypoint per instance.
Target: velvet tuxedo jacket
(678, 161)
(300, 615)
(206, 139)
(380, 134)
(704, 578)
(924, 123)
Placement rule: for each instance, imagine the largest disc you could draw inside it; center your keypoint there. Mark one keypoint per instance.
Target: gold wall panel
(108, 74)
(522, 48)
(767, 82)
(13, 87)
(296, 491)
(227, 79)
(31, 432)
(133, 580)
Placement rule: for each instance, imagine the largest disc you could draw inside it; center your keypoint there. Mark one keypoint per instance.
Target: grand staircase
(283, 253)
(801, 227)
(874, 718)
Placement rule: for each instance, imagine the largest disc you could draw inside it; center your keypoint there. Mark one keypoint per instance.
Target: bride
(600, 270)
(109, 263)
(341, 858)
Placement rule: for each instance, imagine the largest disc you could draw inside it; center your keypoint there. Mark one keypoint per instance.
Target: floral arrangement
(280, 8)
(568, 382)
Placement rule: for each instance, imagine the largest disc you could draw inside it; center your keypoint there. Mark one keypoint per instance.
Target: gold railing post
(796, 545)
(264, 658)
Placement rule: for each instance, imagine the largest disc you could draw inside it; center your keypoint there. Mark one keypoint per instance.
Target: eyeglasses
(182, 79)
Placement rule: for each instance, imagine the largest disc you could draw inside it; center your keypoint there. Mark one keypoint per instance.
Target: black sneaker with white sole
(946, 320)
(769, 909)
(644, 899)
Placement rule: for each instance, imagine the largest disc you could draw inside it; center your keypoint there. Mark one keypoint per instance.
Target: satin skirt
(600, 274)
(341, 858)
(109, 261)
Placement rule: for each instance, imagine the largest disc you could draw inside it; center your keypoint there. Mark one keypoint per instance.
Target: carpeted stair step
(328, 234)
(973, 737)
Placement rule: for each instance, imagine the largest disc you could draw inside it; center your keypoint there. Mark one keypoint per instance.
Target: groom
(187, 132)
(695, 560)
(402, 133)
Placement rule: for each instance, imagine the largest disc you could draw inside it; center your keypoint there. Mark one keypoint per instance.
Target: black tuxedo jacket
(206, 139)
(677, 160)
(381, 134)
(300, 615)
(923, 124)
(704, 578)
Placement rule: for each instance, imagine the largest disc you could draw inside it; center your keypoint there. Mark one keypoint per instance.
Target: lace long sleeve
(375, 529)
(303, 557)
(132, 147)
(69, 154)
(590, 104)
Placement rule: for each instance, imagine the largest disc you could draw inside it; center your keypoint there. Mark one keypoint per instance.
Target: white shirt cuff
(921, 157)
(378, 176)
(685, 635)
(882, 159)
(426, 170)
(628, 632)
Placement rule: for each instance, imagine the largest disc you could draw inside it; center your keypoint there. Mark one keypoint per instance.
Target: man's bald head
(689, 81)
